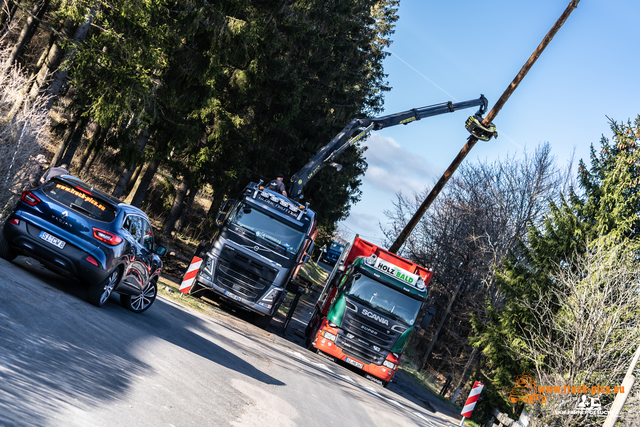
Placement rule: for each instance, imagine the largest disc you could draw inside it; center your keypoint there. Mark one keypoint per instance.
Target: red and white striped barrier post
(471, 400)
(190, 275)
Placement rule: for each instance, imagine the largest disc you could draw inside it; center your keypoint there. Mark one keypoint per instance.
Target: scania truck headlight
(389, 365)
(329, 336)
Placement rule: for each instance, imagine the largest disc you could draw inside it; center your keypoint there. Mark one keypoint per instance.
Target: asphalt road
(64, 362)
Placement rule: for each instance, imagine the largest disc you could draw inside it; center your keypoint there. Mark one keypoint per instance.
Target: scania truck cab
(367, 312)
(263, 239)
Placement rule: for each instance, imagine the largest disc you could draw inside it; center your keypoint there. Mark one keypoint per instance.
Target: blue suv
(79, 231)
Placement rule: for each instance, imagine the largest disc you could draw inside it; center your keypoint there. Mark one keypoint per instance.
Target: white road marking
(348, 378)
(299, 355)
(372, 391)
(424, 418)
(322, 366)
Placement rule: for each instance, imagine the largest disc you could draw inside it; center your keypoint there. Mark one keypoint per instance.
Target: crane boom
(358, 128)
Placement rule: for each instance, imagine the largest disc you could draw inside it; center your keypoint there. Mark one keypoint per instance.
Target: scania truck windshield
(382, 298)
(267, 227)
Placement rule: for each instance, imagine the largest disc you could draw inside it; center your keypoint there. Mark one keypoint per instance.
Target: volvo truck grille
(243, 276)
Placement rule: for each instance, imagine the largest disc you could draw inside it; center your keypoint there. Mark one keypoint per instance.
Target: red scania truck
(368, 310)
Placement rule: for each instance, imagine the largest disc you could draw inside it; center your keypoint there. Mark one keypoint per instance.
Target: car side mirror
(161, 251)
(427, 318)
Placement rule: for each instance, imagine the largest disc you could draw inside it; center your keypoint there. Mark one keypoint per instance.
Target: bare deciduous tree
(587, 328)
(22, 136)
(469, 230)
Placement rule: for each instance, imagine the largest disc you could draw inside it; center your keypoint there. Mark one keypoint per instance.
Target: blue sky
(456, 50)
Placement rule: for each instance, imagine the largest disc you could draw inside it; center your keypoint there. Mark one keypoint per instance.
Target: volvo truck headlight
(207, 271)
(269, 299)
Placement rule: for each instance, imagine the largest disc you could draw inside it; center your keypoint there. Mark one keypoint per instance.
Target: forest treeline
(214, 93)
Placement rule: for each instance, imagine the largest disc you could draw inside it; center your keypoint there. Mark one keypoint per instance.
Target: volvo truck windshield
(267, 227)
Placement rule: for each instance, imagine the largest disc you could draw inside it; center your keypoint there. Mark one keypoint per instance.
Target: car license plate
(353, 362)
(53, 240)
(232, 296)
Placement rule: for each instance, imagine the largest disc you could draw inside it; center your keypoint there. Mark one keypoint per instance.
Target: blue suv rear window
(80, 201)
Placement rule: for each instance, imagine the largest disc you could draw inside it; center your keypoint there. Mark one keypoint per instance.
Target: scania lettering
(369, 308)
(375, 317)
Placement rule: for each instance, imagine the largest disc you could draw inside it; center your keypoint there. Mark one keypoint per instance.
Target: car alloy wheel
(100, 293)
(140, 303)
(113, 278)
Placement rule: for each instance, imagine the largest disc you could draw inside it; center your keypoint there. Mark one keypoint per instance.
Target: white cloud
(393, 168)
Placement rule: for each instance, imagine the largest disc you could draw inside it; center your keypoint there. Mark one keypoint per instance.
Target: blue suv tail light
(29, 198)
(106, 237)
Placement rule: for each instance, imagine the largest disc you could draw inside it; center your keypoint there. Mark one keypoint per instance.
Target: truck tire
(311, 323)
(196, 290)
(262, 322)
(310, 338)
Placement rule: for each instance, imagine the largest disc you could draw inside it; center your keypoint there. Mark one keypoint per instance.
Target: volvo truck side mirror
(427, 318)
(223, 211)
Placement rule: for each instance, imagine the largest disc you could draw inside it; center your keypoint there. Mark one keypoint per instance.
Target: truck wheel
(385, 384)
(262, 322)
(5, 250)
(311, 323)
(196, 290)
(308, 342)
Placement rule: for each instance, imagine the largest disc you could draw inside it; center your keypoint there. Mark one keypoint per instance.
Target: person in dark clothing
(55, 171)
(278, 185)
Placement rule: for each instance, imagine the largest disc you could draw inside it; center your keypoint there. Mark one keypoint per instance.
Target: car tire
(99, 293)
(140, 303)
(5, 250)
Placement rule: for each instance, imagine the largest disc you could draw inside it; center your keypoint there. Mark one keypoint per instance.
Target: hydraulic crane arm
(359, 128)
